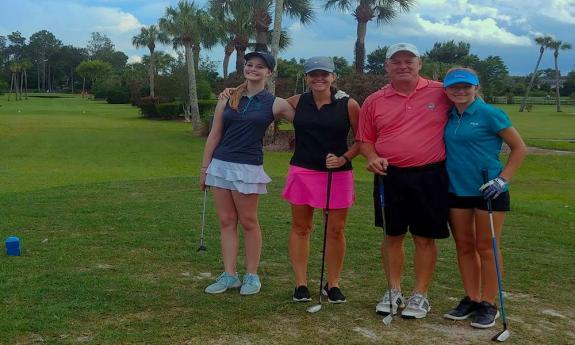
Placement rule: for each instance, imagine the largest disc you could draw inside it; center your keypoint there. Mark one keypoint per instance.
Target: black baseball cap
(267, 57)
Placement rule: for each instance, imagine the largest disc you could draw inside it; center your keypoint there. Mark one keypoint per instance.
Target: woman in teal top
(473, 137)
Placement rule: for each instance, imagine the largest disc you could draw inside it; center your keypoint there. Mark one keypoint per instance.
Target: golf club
(389, 317)
(202, 247)
(503, 335)
(317, 307)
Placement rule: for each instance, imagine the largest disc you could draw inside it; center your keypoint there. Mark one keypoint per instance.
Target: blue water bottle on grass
(13, 246)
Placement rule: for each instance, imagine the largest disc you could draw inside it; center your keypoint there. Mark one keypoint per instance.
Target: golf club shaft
(495, 255)
(326, 218)
(382, 204)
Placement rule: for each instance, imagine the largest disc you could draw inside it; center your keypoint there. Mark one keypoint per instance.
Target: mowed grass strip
(109, 213)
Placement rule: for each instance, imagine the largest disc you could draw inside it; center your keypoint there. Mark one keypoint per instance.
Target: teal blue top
(472, 143)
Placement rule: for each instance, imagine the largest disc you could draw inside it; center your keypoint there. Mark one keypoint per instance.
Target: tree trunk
(263, 22)
(360, 47)
(72, 78)
(228, 51)
(38, 75)
(151, 73)
(240, 61)
(196, 50)
(524, 100)
(194, 111)
(275, 47)
(557, 76)
(278, 15)
(83, 86)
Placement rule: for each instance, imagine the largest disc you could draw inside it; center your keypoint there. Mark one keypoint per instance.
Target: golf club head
(314, 308)
(502, 336)
(387, 320)
(202, 248)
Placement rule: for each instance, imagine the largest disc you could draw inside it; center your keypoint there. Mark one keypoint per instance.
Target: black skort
(500, 204)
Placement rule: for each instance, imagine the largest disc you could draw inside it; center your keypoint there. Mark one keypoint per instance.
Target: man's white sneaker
(398, 301)
(417, 307)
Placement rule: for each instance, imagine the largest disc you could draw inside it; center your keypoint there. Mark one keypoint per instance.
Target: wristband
(346, 159)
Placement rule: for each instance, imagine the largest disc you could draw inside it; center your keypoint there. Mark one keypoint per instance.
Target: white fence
(530, 100)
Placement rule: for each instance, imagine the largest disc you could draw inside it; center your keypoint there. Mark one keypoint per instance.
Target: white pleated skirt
(244, 178)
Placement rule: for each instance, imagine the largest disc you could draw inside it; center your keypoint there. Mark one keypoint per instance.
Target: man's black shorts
(415, 199)
(500, 204)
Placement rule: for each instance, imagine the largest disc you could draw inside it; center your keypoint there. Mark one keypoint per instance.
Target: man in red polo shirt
(401, 135)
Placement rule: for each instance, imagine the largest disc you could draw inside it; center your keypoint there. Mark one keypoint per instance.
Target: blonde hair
(237, 96)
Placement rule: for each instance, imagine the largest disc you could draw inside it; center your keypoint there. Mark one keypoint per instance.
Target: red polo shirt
(407, 130)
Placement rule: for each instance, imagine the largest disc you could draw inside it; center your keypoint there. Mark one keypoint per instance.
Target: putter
(503, 335)
(389, 317)
(317, 307)
(202, 247)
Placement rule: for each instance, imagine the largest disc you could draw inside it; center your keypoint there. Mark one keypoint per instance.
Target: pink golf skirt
(309, 187)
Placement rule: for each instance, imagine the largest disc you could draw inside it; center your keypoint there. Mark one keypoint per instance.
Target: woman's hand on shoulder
(227, 93)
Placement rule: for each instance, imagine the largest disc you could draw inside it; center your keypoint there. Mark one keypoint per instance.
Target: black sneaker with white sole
(464, 309)
(334, 295)
(301, 294)
(485, 315)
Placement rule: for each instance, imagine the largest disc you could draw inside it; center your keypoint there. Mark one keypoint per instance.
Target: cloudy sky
(492, 27)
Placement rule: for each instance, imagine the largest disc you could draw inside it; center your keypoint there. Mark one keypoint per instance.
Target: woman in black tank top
(322, 123)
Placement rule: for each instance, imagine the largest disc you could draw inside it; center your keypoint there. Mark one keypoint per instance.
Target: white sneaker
(417, 307)
(398, 302)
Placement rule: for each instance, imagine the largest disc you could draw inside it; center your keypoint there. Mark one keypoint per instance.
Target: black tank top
(319, 132)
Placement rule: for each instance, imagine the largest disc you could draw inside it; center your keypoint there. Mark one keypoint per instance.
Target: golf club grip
(485, 175)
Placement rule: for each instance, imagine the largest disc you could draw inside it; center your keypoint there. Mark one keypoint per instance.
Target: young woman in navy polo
(473, 137)
(232, 166)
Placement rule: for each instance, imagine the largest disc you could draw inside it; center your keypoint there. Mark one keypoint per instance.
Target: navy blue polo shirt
(472, 143)
(244, 129)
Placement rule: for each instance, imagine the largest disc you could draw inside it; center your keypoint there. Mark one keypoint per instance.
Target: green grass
(544, 127)
(109, 212)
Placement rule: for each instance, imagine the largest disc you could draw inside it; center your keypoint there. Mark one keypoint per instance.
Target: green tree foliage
(364, 11)
(342, 67)
(100, 47)
(376, 61)
(148, 37)
(448, 52)
(93, 70)
(569, 85)
(184, 24)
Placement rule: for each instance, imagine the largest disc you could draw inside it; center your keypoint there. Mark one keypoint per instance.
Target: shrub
(169, 110)
(118, 96)
(148, 104)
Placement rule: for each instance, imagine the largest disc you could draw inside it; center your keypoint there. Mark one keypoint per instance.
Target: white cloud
(484, 31)
(560, 10)
(134, 59)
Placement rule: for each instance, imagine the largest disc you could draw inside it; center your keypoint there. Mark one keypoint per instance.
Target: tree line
(237, 25)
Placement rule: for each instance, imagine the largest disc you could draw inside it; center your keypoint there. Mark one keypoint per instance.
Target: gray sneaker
(225, 281)
(417, 307)
(398, 302)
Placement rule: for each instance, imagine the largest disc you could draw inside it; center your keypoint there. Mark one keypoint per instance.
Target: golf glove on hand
(493, 188)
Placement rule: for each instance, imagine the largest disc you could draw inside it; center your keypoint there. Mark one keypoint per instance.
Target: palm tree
(148, 38)
(383, 10)
(183, 24)
(234, 18)
(556, 46)
(300, 9)
(543, 42)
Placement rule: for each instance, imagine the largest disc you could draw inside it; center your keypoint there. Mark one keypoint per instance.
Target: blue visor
(460, 76)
